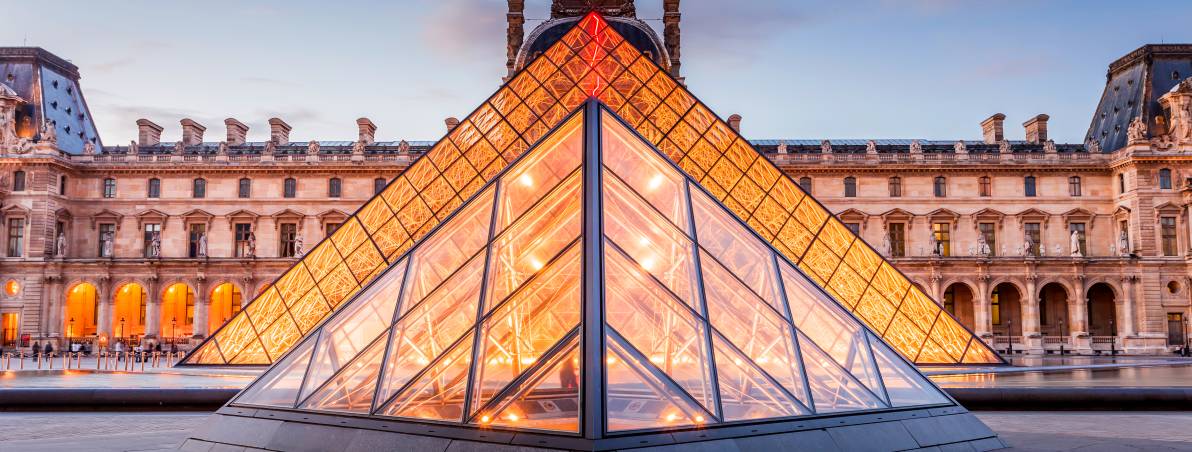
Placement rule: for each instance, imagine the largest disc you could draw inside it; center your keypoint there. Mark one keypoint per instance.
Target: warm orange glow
(79, 318)
(12, 288)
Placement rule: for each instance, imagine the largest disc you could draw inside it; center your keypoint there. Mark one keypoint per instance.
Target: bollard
(79, 360)
(39, 361)
(142, 362)
(22, 355)
(50, 361)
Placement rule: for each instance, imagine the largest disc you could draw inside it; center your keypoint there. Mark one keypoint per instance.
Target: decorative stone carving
(782, 147)
(886, 243)
(935, 245)
(312, 148)
(1003, 147)
(826, 147)
(358, 148)
(403, 147)
(871, 147)
(982, 246)
(916, 147)
(270, 148)
(105, 249)
(60, 245)
(1136, 133)
(133, 147)
(88, 148)
(298, 252)
(959, 147)
(1028, 245)
(252, 245)
(223, 148)
(155, 245)
(179, 148)
(1074, 244)
(1124, 243)
(1178, 103)
(1093, 146)
(202, 245)
(1049, 146)
(49, 132)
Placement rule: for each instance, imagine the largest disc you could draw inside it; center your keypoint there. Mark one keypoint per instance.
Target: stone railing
(398, 159)
(944, 158)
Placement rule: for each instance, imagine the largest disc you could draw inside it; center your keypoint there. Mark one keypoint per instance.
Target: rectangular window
(943, 237)
(289, 235)
(1175, 329)
(62, 185)
(109, 188)
(1079, 229)
(1167, 224)
(941, 187)
(11, 329)
(199, 189)
(1074, 186)
(290, 188)
(895, 187)
(18, 181)
(16, 237)
(1028, 186)
(245, 189)
(378, 185)
(897, 239)
(995, 307)
(154, 188)
(194, 233)
(855, 227)
(107, 240)
(1031, 230)
(987, 231)
(985, 186)
(331, 228)
(334, 187)
(850, 187)
(151, 230)
(243, 232)
(950, 301)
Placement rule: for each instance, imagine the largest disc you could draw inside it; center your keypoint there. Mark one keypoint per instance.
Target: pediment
(943, 214)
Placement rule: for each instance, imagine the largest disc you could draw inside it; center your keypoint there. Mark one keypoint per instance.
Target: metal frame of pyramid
(593, 296)
(591, 60)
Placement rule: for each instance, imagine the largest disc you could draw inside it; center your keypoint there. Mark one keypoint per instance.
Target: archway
(128, 312)
(177, 311)
(1102, 312)
(1053, 310)
(958, 301)
(1006, 310)
(226, 301)
(81, 306)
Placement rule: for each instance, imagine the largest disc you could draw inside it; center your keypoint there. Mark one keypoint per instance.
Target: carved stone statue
(298, 252)
(982, 245)
(1093, 146)
(1137, 130)
(105, 249)
(960, 147)
(155, 245)
(782, 147)
(1124, 243)
(1004, 250)
(403, 147)
(202, 251)
(826, 147)
(8, 125)
(49, 132)
(1004, 147)
(1074, 243)
(871, 147)
(133, 147)
(1049, 146)
(179, 147)
(252, 245)
(223, 148)
(358, 148)
(270, 148)
(1178, 101)
(312, 148)
(88, 148)
(1029, 246)
(60, 245)
(916, 147)
(887, 246)
(935, 245)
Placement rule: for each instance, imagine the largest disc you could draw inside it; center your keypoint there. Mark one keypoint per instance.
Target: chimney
(368, 130)
(734, 121)
(279, 131)
(1036, 129)
(148, 133)
(451, 123)
(237, 132)
(192, 132)
(991, 128)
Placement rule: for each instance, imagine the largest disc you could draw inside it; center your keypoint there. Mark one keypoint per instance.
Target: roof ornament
(312, 148)
(358, 147)
(403, 147)
(871, 147)
(133, 147)
(826, 147)
(1049, 146)
(959, 147)
(1093, 146)
(1136, 133)
(179, 147)
(1003, 147)
(88, 148)
(49, 132)
(1178, 101)
(270, 147)
(916, 147)
(782, 146)
(223, 148)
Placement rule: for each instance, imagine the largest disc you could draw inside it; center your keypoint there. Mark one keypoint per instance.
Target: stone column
(982, 323)
(153, 309)
(202, 306)
(1030, 318)
(103, 318)
(1078, 313)
(1125, 308)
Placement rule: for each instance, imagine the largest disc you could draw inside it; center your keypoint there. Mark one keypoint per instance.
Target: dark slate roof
(1133, 86)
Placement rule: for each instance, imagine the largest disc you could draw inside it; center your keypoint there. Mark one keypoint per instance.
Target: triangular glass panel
(745, 391)
(439, 392)
(832, 388)
(279, 386)
(905, 385)
(638, 397)
(530, 179)
(644, 170)
(352, 389)
(738, 250)
(448, 249)
(547, 400)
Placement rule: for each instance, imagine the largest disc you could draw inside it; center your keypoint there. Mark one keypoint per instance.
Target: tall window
(1167, 225)
(244, 189)
(331, 228)
(943, 236)
(154, 188)
(109, 187)
(855, 227)
(378, 185)
(18, 181)
(1031, 230)
(151, 230)
(1079, 229)
(1074, 186)
(289, 187)
(16, 237)
(335, 187)
(1175, 328)
(289, 234)
(995, 306)
(941, 186)
(1122, 184)
(987, 231)
(897, 239)
(243, 230)
(805, 184)
(196, 231)
(1165, 179)
(62, 185)
(950, 300)
(107, 231)
(199, 188)
(850, 187)
(1028, 186)
(984, 186)
(895, 187)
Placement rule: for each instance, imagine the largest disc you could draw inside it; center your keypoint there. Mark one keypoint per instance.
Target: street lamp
(173, 336)
(1063, 335)
(70, 332)
(1010, 336)
(1112, 339)
(120, 334)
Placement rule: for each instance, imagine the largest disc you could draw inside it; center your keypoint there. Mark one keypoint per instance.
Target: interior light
(699, 418)
(528, 360)
(526, 180)
(536, 264)
(656, 359)
(643, 241)
(671, 417)
(610, 360)
(648, 264)
(485, 419)
(655, 182)
(512, 417)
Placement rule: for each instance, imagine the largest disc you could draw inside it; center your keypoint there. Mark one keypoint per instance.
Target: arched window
(1074, 186)
(895, 187)
(335, 187)
(109, 187)
(941, 186)
(18, 181)
(1028, 186)
(985, 186)
(1165, 179)
(805, 184)
(1121, 184)
(850, 187)
(154, 188)
(290, 188)
(379, 185)
(199, 188)
(244, 190)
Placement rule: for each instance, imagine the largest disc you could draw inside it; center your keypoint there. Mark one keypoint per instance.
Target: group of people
(47, 349)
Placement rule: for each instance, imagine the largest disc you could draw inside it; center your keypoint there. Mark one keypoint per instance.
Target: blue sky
(793, 69)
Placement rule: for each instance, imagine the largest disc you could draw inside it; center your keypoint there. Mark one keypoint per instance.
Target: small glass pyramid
(592, 289)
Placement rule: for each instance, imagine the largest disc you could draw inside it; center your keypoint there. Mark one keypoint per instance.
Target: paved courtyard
(1026, 431)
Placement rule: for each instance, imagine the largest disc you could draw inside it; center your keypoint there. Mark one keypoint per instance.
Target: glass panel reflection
(735, 247)
(655, 245)
(548, 400)
(638, 398)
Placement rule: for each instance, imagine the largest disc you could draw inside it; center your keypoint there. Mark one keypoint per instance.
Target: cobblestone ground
(1025, 431)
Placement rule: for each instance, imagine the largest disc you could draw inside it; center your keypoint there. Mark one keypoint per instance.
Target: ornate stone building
(1034, 245)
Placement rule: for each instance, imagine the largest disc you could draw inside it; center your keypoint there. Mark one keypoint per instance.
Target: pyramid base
(256, 429)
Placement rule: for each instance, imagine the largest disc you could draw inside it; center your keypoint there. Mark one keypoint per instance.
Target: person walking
(34, 350)
(48, 349)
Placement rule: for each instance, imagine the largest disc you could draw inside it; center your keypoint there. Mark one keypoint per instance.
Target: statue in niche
(105, 249)
(8, 126)
(202, 246)
(155, 245)
(935, 245)
(252, 245)
(982, 245)
(1137, 130)
(49, 132)
(1124, 242)
(60, 245)
(1029, 246)
(1074, 243)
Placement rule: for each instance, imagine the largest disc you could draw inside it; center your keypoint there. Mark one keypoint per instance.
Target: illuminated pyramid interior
(592, 294)
(593, 61)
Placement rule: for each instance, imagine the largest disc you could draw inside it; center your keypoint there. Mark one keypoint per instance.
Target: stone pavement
(1026, 431)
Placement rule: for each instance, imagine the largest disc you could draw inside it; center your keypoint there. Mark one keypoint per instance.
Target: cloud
(458, 28)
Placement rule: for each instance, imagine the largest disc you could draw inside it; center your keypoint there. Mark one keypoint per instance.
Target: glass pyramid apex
(592, 60)
(616, 301)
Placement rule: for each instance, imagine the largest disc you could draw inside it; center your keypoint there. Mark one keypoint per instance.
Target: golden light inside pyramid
(592, 60)
(611, 274)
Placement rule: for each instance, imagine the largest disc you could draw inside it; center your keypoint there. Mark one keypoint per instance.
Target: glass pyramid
(592, 60)
(592, 289)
